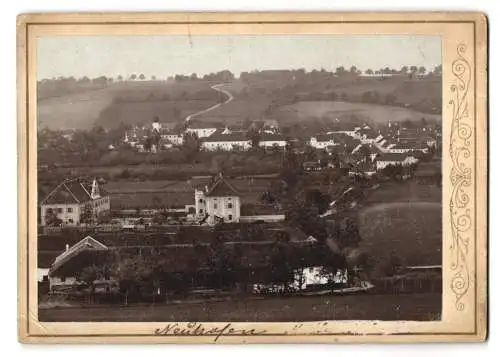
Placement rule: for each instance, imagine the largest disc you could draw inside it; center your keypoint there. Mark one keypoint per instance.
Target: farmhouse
(367, 135)
(83, 253)
(395, 159)
(322, 141)
(312, 166)
(417, 136)
(226, 141)
(268, 140)
(202, 129)
(401, 149)
(71, 200)
(172, 137)
(218, 202)
(366, 151)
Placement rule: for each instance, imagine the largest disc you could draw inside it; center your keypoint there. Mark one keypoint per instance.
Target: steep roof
(86, 244)
(221, 187)
(232, 136)
(324, 137)
(393, 157)
(70, 192)
(272, 137)
(199, 124)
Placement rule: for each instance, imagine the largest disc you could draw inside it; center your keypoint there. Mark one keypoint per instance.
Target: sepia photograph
(244, 178)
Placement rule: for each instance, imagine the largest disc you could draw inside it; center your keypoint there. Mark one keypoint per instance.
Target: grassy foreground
(418, 307)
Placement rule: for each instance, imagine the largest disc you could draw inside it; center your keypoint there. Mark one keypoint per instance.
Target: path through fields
(218, 88)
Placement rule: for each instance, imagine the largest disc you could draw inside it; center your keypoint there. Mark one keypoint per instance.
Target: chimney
(67, 247)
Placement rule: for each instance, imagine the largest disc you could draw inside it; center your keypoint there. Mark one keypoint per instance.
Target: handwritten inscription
(199, 329)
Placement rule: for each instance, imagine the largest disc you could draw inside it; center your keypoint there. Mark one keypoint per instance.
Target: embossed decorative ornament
(461, 176)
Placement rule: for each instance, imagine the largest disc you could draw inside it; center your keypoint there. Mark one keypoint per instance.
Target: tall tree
(89, 275)
(413, 71)
(339, 71)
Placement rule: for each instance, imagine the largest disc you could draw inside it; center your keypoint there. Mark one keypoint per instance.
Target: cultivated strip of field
(379, 114)
(417, 307)
(404, 218)
(130, 102)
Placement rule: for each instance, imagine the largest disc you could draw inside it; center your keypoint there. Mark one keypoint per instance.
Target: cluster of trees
(216, 265)
(221, 76)
(55, 87)
(399, 172)
(301, 74)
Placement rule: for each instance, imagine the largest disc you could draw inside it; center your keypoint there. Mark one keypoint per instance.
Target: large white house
(202, 129)
(217, 202)
(322, 141)
(401, 149)
(227, 141)
(268, 140)
(172, 137)
(71, 198)
(395, 159)
(368, 136)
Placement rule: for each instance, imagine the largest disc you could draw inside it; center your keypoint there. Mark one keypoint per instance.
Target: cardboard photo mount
(464, 90)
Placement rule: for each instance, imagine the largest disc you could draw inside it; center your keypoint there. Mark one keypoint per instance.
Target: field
(405, 218)
(140, 102)
(76, 110)
(378, 114)
(252, 99)
(421, 307)
(174, 194)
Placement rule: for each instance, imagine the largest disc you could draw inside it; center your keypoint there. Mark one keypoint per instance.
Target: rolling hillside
(125, 102)
(138, 102)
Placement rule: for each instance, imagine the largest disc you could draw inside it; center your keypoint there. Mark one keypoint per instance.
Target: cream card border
(464, 174)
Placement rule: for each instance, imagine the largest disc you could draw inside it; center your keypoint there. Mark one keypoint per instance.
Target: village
(252, 234)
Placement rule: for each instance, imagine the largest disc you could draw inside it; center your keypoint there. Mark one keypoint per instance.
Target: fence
(264, 218)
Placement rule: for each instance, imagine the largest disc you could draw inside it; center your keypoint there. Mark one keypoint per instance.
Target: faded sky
(164, 56)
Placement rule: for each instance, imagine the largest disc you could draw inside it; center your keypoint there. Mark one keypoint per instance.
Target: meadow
(175, 194)
(375, 113)
(416, 307)
(128, 102)
(137, 102)
(404, 218)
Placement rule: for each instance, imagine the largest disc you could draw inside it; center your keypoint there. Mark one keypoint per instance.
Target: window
(201, 210)
(49, 210)
(70, 220)
(215, 205)
(201, 200)
(59, 210)
(69, 209)
(230, 217)
(63, 279)
(229, 205)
